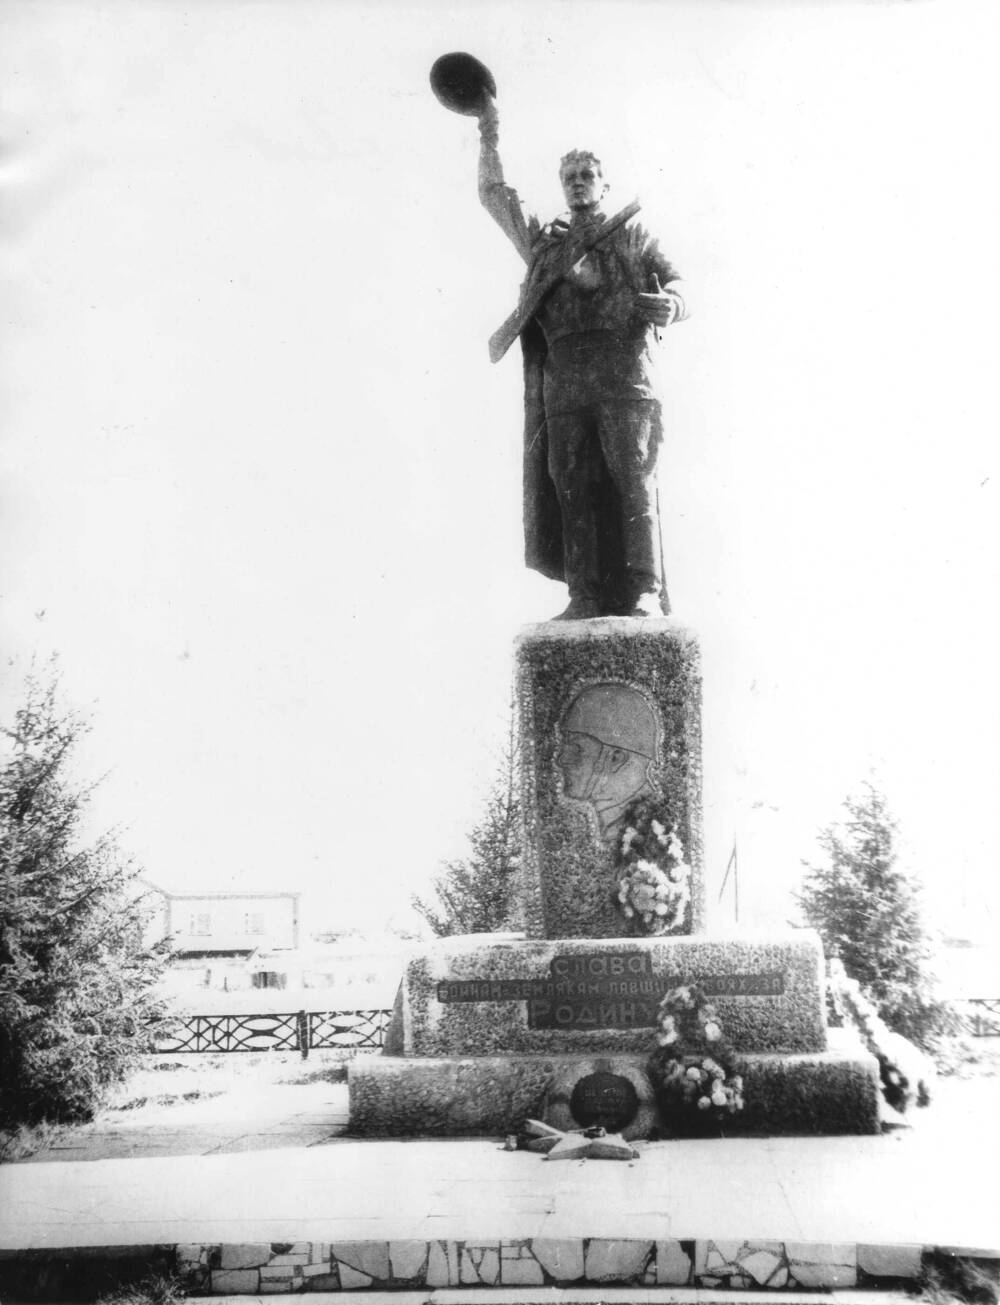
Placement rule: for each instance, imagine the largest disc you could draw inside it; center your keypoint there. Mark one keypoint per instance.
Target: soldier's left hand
(659, 307)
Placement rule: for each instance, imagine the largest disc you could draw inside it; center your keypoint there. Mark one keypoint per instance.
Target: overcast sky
(261, 484)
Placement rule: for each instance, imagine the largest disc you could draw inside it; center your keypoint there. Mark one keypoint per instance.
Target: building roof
(218, 897)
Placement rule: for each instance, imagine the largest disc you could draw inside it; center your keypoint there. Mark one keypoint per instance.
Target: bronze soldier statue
(596, 294)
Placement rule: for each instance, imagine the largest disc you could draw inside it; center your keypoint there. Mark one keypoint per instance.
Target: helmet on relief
(615, 715)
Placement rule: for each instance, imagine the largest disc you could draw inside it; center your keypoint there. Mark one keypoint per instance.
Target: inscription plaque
(604, 990)
(770, 984)
(607, 1100)
(613, 990)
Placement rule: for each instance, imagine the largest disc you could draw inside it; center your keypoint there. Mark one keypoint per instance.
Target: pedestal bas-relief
(610, 736)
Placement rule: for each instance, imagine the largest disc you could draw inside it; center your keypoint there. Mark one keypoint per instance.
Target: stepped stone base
(476, 996)
(834, 1091)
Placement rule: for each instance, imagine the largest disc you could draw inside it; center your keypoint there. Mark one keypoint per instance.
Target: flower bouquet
(907, 1074)
(654, 889)
(692, 1069)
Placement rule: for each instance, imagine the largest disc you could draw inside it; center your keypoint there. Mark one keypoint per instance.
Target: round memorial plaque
(607, 1100)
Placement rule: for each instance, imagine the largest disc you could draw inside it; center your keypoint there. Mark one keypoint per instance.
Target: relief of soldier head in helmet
(609, 741)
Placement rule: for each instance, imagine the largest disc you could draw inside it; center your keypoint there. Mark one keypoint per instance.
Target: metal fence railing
(364, 1030)
(302, 1031)
(982, 1014)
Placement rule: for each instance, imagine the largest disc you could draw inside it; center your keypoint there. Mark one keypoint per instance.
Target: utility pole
(732, 866)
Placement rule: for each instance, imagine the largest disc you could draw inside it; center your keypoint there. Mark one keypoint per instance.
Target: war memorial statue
(596, 295)
(614, 1008)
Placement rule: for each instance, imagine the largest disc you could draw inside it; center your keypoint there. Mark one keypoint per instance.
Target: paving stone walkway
(250, 1118)
(347, 1214)
(804, 1189)
(935, 1183)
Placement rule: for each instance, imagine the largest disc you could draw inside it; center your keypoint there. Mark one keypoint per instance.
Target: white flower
(677, 873)
(628, 838)
(694, 1073)
(712, 1032)
(703, 1103)
(661, 908)
(665, 1038)
(718, 1097)
(628, 911)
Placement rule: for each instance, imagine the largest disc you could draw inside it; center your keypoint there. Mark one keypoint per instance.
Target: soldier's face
(582, 184)
(599, 773)
(578, 760)
(623, 775)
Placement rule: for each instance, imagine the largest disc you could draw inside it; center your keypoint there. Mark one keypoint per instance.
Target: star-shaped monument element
(579, 1144)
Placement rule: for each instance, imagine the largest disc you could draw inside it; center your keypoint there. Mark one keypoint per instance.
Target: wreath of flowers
(907, 1074)
(654, 891)
(692, 1069)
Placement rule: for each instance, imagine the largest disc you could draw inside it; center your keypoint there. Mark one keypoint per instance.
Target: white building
(211, 924)
(215, 935)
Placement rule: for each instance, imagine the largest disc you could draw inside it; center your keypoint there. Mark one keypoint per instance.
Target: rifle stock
(504, 336)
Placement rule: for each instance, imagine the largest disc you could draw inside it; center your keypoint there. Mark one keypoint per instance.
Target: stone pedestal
(491, 1030)
(636, 684)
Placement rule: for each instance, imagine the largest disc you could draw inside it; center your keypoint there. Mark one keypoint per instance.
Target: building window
(200, 923)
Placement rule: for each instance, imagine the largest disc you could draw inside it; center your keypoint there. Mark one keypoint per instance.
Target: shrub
(950, 1278)
(153, 1289)
(26, 1140)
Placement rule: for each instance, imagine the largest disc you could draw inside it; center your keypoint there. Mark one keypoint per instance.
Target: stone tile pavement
(606, 1296)
(254, 1118)
(829, 1191)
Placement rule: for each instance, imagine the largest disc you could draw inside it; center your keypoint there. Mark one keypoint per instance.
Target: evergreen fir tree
(76, 982)
(867, 912)
(479, 894)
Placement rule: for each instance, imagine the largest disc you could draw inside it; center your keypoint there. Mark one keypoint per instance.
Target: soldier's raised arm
(501, 201)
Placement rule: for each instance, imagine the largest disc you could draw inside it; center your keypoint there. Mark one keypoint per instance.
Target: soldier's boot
(580, 609)
(643, 566)
(580, 563)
